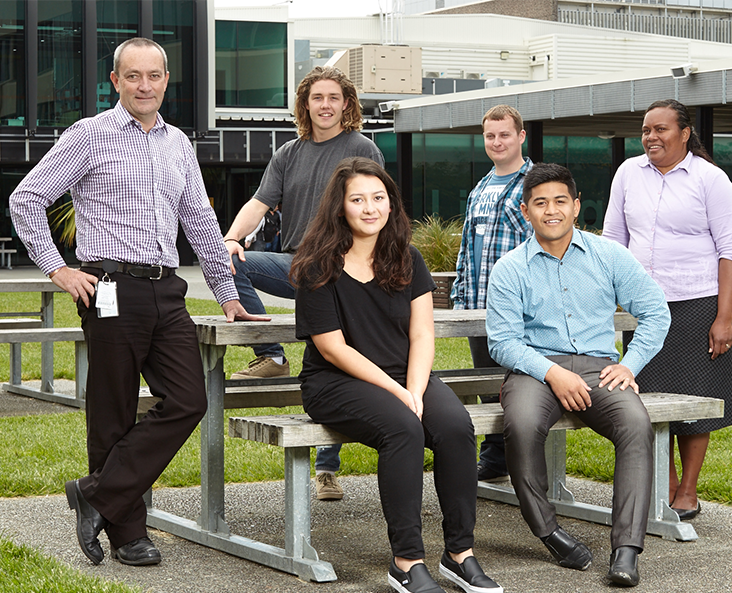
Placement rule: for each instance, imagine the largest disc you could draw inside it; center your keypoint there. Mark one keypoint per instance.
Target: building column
(705, 127)
(535, 140)
(31, 66)
(146, 18)
(617, 154)
(200, 115)
(404, 171)
(89, 60)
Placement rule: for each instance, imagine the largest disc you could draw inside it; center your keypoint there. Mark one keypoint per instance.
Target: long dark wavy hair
(693, 144)
(319, 258)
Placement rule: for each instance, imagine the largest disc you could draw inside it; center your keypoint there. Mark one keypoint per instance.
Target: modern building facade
(234, 72)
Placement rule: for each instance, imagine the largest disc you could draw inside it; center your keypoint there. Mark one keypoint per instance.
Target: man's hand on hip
(569, 388)
(77, 283)
(235, 312)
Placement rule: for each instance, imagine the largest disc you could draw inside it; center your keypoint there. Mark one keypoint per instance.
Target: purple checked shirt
(130, 189)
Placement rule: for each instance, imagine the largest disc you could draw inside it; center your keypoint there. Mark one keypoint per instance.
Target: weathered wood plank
(29, 285)
(299, 431)
(43, 334)
(20, 323)
(448, 324)
(273, 393)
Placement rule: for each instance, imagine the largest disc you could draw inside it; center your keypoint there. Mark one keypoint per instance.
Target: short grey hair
(138, 42)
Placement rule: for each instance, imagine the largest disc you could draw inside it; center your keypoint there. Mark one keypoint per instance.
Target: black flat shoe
(686, 514)
(624, 567)
(469, 576)
(566, 550)
(89, 522)
(416, 580)
(138, 552)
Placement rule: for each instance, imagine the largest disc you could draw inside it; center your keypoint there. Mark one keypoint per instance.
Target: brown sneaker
(327, 487)
(262, 368)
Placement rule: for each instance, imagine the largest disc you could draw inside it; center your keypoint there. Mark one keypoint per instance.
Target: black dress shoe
(686, 514)
(89, 523)
(486, 474)
(138, 552)
(566, 550)
(624, 566)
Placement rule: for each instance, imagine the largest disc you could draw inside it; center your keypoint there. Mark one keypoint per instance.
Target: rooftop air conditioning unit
(394, 69)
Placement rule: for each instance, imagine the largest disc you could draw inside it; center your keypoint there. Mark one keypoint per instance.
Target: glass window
(251, 64)
(173, 28)
(12, 64)
(117, 21)
(59, 62)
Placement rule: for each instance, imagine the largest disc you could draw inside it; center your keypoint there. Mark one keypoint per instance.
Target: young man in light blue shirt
(549, 320)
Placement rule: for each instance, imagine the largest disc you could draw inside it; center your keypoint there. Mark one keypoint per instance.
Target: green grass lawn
(24, 570)
(39, 453)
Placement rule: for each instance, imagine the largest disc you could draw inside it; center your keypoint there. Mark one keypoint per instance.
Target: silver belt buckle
(160, 272)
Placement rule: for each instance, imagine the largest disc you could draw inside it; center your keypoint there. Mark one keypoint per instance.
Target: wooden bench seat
(296, 433)
(28, 331)
(280, 392)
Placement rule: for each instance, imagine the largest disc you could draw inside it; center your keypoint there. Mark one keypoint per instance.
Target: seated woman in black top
(364, 307)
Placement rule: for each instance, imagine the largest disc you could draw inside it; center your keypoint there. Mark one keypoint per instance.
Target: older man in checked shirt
(132, 177)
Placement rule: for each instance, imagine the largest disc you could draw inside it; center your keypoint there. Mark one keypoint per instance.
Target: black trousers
(153, 336)
(375, 417)
(531, 409)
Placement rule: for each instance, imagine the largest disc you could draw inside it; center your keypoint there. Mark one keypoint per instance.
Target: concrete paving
(351, 534)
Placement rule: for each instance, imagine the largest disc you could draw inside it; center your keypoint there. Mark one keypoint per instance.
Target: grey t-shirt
(297, 176)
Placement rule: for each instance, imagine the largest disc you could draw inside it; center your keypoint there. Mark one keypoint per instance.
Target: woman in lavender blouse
(672, 207)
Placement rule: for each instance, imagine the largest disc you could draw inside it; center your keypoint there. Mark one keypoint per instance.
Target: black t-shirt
(372, 321)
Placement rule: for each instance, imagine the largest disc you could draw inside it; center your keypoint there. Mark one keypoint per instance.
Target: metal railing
(705, 29)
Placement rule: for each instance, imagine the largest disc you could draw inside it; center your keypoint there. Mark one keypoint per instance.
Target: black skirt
(684, 364)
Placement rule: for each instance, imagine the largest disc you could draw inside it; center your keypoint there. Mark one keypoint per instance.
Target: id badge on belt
(107, 298)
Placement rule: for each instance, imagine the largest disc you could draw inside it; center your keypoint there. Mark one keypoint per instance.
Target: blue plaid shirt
(506, 228)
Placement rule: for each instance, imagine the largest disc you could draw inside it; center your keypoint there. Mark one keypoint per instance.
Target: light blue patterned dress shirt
(541, 306)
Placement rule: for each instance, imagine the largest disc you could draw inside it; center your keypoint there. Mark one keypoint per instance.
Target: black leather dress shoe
(89, 523)
(138, 552)
(624, 566)
(566, 550)
(686, 514)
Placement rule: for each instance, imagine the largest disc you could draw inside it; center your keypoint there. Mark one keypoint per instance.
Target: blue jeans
(268, 272)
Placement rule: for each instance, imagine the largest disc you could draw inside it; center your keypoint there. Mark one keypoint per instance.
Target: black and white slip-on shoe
(416, 580)
(469, 575)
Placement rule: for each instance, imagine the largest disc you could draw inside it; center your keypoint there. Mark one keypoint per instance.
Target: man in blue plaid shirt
(493, 226)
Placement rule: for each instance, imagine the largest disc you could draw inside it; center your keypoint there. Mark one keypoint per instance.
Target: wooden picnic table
(6, 254)
(214, 335)
(46, 289)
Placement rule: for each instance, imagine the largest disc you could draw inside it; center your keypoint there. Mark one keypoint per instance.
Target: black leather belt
(134, 270)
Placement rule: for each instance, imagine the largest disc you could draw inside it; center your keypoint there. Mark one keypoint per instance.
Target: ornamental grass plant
(438, 241)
